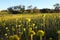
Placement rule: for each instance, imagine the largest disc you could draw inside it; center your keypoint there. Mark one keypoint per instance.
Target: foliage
(58, 31)
(40, 32)
(29, 23)
(16, 9)
(57, 7)
(14, 37)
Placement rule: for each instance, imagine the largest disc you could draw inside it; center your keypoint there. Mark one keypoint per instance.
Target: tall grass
(20, 25)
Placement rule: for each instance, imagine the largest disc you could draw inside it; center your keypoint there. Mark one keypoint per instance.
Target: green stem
(31, 37)
(59, 37)
(40, 37)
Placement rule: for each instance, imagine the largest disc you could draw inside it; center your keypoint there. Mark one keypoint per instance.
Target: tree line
(30, 9)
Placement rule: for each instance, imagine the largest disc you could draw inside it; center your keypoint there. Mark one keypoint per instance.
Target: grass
(15, 16)
(11, 24)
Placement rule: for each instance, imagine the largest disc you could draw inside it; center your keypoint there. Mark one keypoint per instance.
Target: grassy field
(16, 16)
(30, 26)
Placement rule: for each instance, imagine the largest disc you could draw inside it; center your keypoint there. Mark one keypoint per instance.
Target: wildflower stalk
(31, 37)
(58, 34)
(40, 37)
(40, 33)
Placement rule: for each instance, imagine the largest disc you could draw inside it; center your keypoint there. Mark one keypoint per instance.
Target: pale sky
(4, 4)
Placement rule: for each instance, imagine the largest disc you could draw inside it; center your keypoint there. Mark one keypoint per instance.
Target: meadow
(43, 26)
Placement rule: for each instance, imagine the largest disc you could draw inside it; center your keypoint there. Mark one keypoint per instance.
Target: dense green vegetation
(30, 26)
(31, 23)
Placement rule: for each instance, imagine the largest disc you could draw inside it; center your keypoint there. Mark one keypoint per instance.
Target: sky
(4, 4)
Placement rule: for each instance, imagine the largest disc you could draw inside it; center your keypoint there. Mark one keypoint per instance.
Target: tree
(30, 9)
(10, 9)
(17, 9)
(13, 10)
(35, 10)
(45, 10)
(23, 8)
(57, 7)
